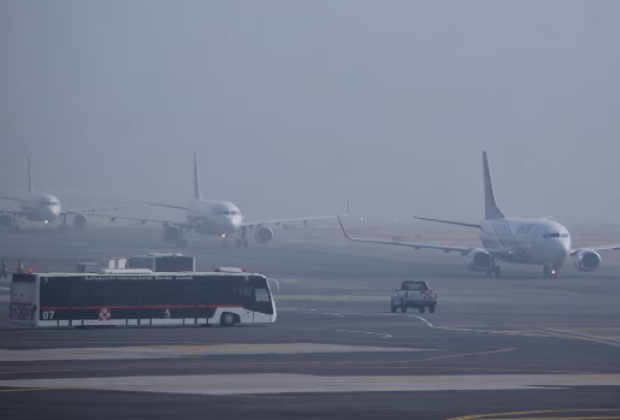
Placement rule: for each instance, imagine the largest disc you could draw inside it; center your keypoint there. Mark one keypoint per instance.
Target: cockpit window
(555, 235)
(227, 212)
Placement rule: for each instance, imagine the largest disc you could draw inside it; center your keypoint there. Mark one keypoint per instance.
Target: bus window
(261, 295)
(169, 299)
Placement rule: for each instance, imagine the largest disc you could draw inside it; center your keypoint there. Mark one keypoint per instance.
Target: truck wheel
(393, 308)
(422, 309)
(403, 308)
(431, 309)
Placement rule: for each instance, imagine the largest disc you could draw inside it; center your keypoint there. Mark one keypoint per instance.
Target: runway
(540, 348)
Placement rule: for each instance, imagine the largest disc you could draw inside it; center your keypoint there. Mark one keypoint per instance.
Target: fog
(293, 106)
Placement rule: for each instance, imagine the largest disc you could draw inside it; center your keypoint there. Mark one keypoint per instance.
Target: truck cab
(413, 294)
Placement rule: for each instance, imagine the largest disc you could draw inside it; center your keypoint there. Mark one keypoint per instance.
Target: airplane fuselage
(531, 241)
(220, 218)
(39, 207)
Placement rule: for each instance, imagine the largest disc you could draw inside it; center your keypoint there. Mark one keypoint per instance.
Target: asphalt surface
(537, 348)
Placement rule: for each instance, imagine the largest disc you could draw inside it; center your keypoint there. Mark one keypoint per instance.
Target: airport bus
(162, 262)
(140, 298)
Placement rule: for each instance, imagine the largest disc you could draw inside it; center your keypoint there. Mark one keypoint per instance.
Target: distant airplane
(525, 241)
(214, 217)
(40, 207)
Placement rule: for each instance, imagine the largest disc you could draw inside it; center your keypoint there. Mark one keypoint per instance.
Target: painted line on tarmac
(584, 336)
(498, 416)
(426, 321)
(380, 335)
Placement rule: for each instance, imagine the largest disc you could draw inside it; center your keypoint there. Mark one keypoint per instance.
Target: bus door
(257, 298)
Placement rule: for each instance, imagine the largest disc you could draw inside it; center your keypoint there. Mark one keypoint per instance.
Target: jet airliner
(541, 242)
(40, 207)
(214, 217)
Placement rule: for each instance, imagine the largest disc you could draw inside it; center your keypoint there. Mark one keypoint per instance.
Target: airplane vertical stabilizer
(30, 190)
(490, 208)
(197, 194)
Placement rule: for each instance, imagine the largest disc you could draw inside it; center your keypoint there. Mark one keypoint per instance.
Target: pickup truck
(414, 294)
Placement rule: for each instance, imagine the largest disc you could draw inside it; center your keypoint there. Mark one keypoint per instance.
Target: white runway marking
(163, 352)
(380, 335)
(276, 383)
(424, 320)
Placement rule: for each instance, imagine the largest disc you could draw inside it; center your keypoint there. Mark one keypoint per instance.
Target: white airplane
(39, 207)
(214, 217)
(525, 241)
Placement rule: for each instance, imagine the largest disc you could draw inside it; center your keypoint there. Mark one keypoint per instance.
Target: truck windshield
(414, 286)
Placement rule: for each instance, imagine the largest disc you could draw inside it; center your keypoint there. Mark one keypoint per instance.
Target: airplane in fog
(214, 217)
(40, 207)
(524, 241)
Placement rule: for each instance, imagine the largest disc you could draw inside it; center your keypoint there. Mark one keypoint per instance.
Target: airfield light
(223, 235)
(46, 221)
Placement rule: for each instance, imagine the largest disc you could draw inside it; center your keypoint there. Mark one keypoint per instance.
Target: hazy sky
(295, 105)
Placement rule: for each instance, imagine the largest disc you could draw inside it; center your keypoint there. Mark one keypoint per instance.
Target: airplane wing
(576, 251)
(250, 223)
(445, 248)
(13, 212)
(169, 206)
(144, 220)
(94, 209)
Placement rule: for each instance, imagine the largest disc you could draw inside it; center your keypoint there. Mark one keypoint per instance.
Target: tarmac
(515, 347)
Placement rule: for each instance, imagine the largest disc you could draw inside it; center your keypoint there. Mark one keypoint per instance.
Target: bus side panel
(24, 300)
(169, 303)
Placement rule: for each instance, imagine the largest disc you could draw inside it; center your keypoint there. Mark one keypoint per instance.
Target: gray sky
(295, 105)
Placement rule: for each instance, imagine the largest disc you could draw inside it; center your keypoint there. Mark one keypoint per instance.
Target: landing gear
(64, 227)
(182, 243)
(14, 227)
(242, 240)
(495, 271)
(551, 271)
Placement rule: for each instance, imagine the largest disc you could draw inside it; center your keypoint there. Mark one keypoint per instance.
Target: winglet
(197, 194)
(490, 207)
(30, 190)
(343, 230)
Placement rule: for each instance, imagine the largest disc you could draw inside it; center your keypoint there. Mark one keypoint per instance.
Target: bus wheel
(227, 319)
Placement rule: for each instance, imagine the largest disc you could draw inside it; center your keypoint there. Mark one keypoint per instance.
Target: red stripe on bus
(63, 308)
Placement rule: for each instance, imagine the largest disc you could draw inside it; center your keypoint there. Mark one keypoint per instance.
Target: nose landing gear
(494, 271)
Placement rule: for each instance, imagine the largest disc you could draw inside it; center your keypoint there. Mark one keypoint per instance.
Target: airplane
(40, 207)
(214, 217)
(525, 241)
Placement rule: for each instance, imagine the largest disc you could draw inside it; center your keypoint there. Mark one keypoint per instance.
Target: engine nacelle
(587, 260)
(6, 221)
(479, 260)
(171, 234)
(263, 235)
(79, 221)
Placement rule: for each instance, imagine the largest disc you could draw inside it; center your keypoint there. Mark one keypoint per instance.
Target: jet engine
(587, 260)
(79, 220)
(171, 234)
(6, 221)
(479, 260)
(263, 235)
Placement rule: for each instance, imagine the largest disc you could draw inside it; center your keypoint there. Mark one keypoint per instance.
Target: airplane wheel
(497, 271)
(238, 243)
(489, 272)
(246, 243)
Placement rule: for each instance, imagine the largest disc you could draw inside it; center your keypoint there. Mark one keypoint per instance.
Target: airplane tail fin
(197, 194)
(30, 189)
(490, 207)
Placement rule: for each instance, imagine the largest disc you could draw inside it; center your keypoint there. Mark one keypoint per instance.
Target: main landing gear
(551, 271)
(64, 227)
(182, 242)
(242, 240)
(494, 270)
